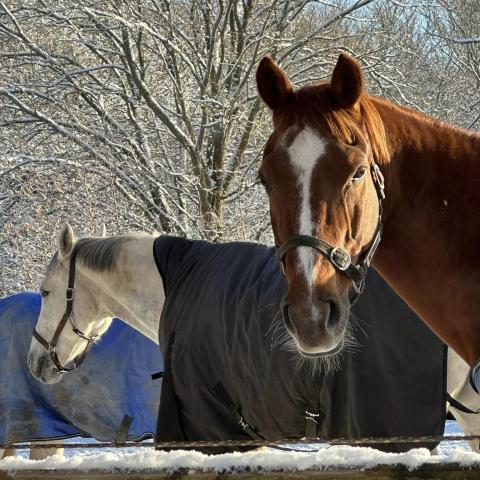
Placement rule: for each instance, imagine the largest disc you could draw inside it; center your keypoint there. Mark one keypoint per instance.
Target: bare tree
(155, 95)
(144, 114)
(453, 29)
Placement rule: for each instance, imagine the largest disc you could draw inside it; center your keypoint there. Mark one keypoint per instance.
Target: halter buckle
(70, 294)
(340, 258)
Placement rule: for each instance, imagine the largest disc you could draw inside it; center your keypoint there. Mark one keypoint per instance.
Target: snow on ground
(266, 459)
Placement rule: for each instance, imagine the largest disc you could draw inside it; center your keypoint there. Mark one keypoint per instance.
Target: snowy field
(266, 459)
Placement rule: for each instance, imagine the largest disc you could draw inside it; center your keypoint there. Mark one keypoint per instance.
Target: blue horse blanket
(114, 381)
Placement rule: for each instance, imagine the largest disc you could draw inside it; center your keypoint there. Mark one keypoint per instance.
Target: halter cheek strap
(67, 317)
(337, 256)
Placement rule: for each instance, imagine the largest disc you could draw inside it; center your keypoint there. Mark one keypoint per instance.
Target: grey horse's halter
(67, 316)
(337, 256)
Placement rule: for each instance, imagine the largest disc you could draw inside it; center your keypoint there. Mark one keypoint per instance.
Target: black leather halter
(67, 316)
(337, 256)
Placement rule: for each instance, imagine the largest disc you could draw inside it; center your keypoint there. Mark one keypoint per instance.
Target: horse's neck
(134, 291)
(429, 251)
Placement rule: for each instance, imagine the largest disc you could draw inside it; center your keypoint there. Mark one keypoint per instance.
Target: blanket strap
(311, 423)
(459, 406)
(122, 432)
(169, 425)
(225, 398)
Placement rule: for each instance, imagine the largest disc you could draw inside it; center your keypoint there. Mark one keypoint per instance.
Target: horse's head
(325, 193)
(70, 318)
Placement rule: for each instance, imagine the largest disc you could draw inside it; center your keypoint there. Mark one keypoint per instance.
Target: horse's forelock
(314, 106)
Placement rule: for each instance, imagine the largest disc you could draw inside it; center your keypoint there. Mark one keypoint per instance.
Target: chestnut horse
(323, 168)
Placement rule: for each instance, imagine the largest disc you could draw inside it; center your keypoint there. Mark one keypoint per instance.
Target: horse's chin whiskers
(279, 332)
(275, 323)
(320, 365)
(283, 341)
(315, 365)
(357, 322)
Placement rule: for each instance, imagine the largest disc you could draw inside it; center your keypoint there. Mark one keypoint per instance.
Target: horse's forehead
(305, 149)
(295, 152)
(52, 267)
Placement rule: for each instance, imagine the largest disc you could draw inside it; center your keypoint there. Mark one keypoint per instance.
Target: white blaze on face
(305, 151)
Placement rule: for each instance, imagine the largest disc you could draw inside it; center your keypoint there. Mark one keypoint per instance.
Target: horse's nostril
(334, 315)
(37, 365)
(286, 316)
(42, 363)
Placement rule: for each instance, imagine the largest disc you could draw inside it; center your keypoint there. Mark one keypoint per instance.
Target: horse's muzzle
(43, 369)
(318, 330)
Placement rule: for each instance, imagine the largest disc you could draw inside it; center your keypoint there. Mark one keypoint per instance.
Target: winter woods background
(143, 114)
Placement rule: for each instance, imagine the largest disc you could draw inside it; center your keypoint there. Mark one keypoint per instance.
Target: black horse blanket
(218, 336)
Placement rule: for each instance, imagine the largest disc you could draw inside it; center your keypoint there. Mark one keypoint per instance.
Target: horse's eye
(44, 293)
(265, 184)
(359, 173)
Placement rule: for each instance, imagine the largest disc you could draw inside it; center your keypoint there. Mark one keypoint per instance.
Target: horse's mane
(425, 118)
(314, 105)
(100, 254)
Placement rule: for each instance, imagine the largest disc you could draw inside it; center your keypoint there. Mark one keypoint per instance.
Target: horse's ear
(102, 231)
(273, 85)
(347, 81)
(66, 241)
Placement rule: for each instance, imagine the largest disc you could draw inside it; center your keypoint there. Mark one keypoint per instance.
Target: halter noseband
(67, 316)
(337, 256)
